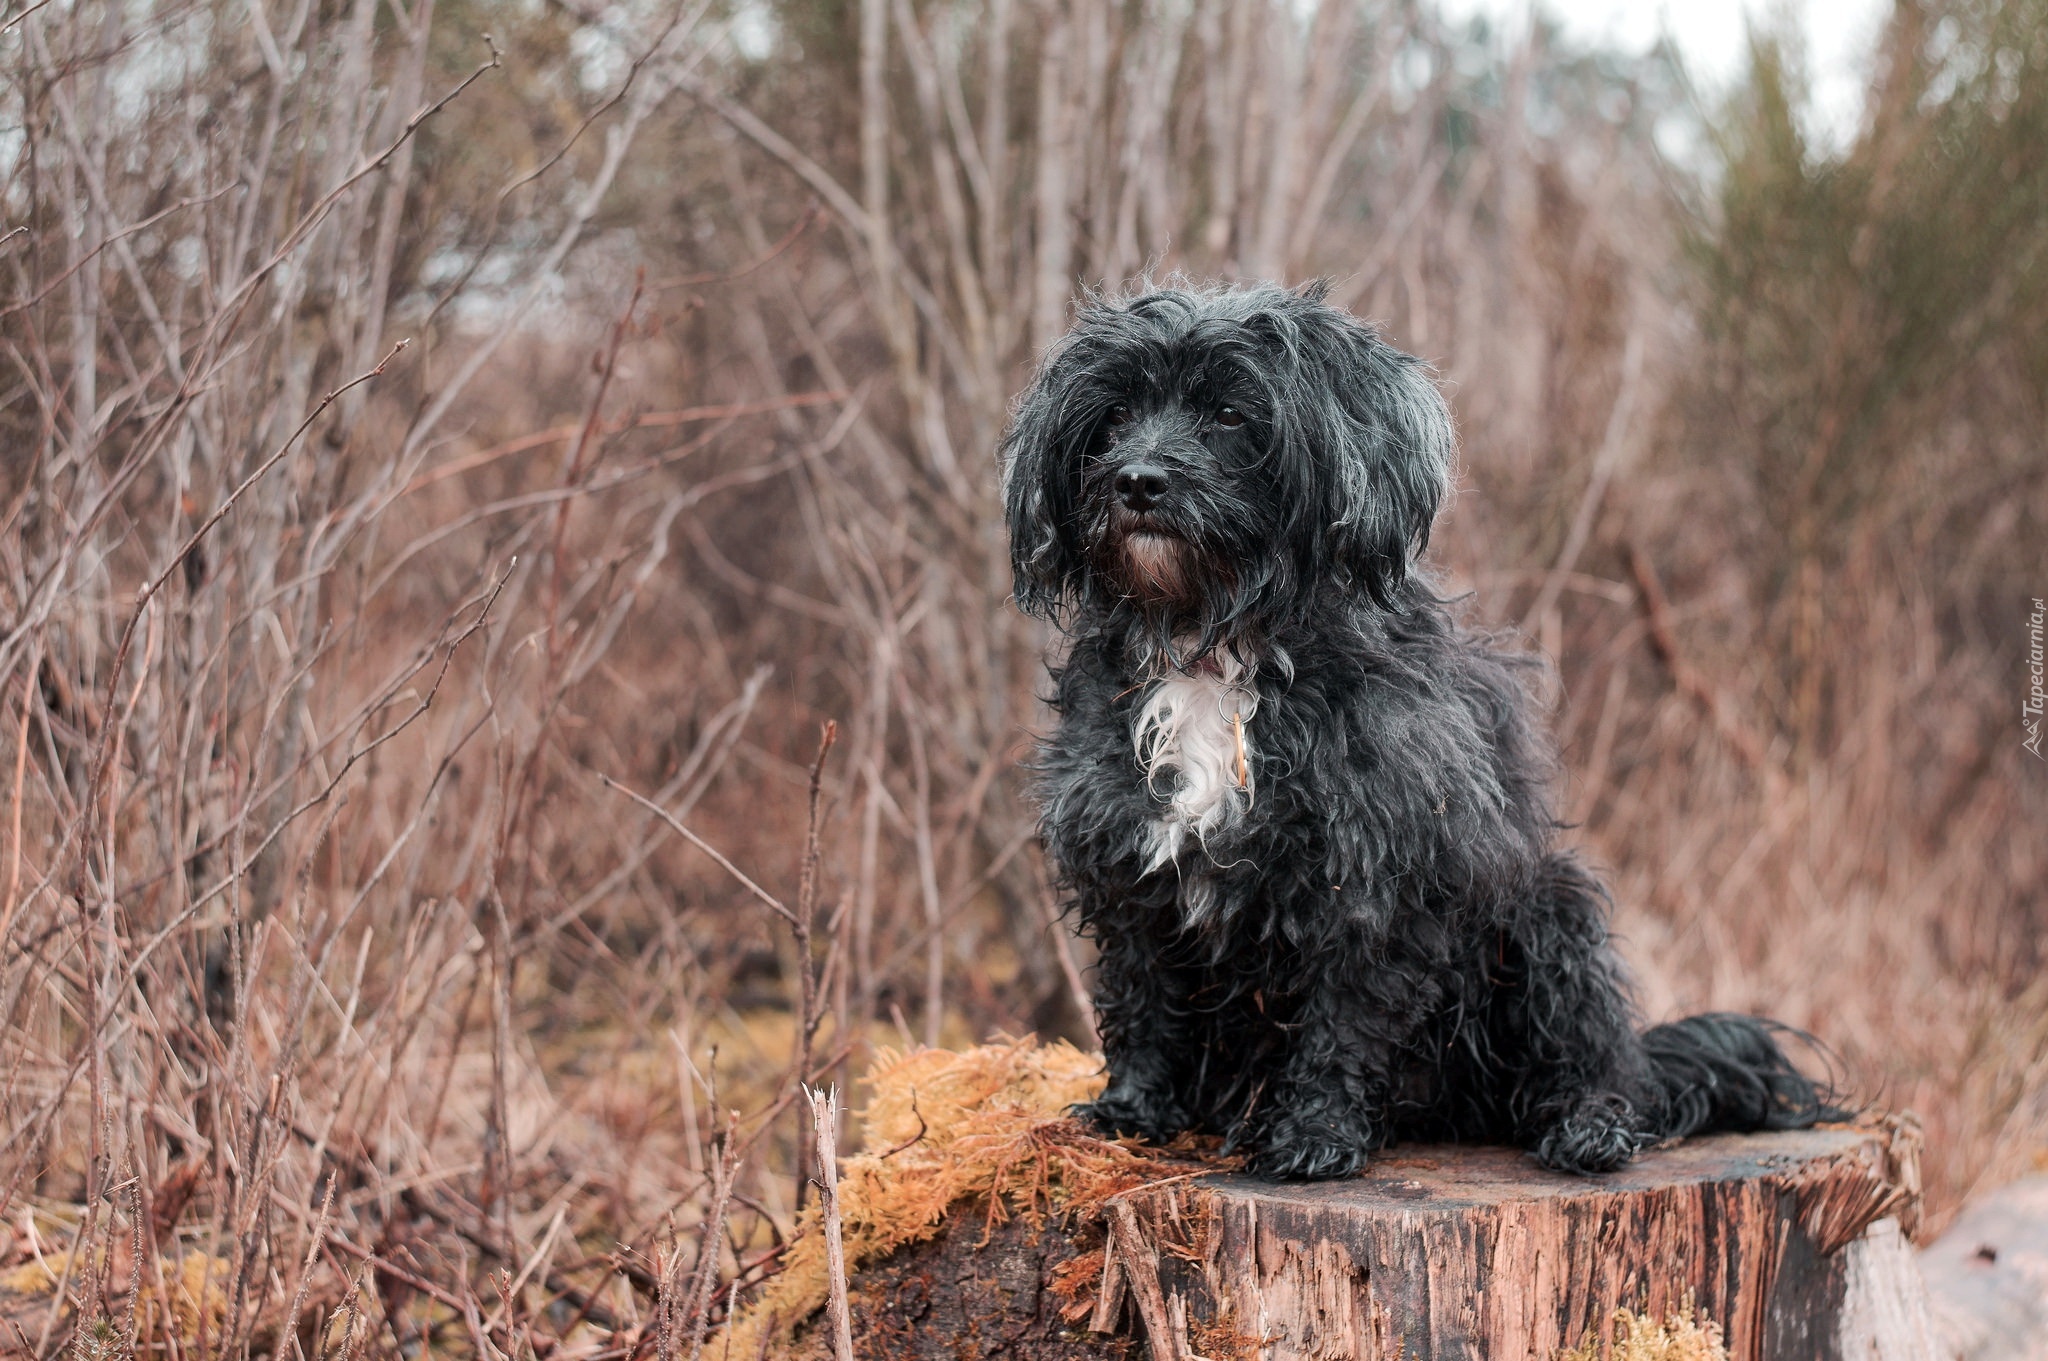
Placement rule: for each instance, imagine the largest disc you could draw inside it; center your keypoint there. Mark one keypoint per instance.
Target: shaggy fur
(1299, 808)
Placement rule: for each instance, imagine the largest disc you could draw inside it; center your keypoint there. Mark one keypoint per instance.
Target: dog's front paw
(1309, 1150)
(1599, 1133)
(1127, 1110)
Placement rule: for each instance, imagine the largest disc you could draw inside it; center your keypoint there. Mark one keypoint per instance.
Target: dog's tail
(1722, 1071)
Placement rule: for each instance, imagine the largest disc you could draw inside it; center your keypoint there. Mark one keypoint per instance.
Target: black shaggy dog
(1300, 809)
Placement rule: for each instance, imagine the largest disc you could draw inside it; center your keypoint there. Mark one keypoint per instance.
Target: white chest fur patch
(1196, 731)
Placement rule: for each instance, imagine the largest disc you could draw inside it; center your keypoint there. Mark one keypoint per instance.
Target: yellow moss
(194, 1291)
(33, 1278)
(989, 1122)
(946, 1094)
(1682, 1336)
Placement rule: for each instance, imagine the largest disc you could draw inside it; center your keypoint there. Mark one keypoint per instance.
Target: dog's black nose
(1140, 486)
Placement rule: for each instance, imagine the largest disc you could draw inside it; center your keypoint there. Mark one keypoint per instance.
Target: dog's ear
(1037, 468)
(1390, 446)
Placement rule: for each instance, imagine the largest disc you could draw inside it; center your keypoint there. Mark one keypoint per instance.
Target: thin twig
(725, 1169)
(1664, 641)
(762, 895)
(825, 1119)
(1612, 445)
(643, 421)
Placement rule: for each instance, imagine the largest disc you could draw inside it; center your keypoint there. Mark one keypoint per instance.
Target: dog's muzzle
(1156, 565)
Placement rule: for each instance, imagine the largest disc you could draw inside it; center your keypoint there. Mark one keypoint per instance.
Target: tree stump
(1790, 1244)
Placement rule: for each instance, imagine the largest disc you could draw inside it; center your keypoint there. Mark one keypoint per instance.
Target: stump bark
(1791, 1243)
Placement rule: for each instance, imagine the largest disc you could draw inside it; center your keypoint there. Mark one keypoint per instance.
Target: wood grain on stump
(1790, 1242)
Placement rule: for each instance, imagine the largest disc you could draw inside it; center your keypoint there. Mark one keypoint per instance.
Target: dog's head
(1213, 462)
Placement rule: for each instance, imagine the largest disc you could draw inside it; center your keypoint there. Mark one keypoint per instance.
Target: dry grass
(339, 959)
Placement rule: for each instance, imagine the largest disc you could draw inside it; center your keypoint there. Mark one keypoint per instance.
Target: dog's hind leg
(1582, 1092)
(1589, 1091)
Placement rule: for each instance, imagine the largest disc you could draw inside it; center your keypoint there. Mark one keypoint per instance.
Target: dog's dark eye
(1229, 418)
(1119, 415)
